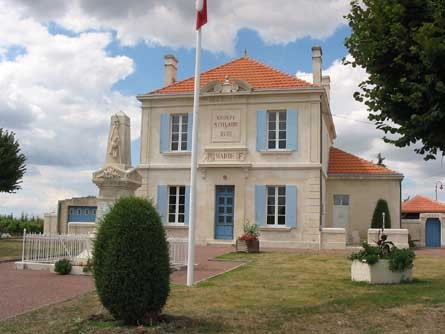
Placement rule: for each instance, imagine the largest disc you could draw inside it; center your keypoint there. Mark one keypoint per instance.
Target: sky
(66, 66)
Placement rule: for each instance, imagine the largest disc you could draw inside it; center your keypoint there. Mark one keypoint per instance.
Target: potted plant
(382, 264)
(248, 241)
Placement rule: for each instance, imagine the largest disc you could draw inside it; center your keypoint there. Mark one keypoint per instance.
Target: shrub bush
(401, 259)
(382, 206)
(369, 254)
(63, 267)
(131, 262)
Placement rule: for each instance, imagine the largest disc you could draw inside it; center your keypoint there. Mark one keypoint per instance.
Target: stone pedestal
(114, 183)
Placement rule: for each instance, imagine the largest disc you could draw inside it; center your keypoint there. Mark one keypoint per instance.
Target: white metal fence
(50, 248)
(178, 251)
(42, 248)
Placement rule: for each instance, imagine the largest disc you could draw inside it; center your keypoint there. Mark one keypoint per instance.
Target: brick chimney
(170, 69)
(316, 65)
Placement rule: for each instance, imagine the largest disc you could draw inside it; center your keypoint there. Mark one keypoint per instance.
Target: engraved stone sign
(226, 156)
(226, 126)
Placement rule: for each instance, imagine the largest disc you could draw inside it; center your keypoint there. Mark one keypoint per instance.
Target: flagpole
(194, 166)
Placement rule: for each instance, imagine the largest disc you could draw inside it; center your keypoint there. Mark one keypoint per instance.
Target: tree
(401, 45)
(12, 163)
(131, 264)
(382, 206)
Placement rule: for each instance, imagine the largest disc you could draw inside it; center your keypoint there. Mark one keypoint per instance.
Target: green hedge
(382, 206)
(15, 226)
(131, 262)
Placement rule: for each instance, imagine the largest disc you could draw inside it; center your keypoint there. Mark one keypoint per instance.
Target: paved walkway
(24, 290)
(206, 267)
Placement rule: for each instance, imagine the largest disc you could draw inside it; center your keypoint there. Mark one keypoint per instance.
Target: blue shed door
(432, 232)
(224, 208)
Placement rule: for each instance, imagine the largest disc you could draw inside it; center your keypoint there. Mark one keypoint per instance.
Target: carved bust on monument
(117, 178)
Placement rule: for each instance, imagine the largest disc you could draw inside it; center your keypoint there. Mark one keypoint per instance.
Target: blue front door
(224, 208)
(432, 232)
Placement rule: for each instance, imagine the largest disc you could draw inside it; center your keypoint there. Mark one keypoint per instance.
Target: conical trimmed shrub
(382, 206)
(131, 262)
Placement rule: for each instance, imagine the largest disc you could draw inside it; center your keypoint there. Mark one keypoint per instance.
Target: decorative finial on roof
(245, 53)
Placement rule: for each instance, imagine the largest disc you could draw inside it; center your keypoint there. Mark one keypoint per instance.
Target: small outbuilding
(424, 218)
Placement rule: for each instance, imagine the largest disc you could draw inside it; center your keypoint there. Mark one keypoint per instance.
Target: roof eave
(422, 211)
(257, 91)
(365, 176)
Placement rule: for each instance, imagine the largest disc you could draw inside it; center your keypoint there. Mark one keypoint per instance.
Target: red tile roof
(341, 162)
(422, 204)
(258, 75)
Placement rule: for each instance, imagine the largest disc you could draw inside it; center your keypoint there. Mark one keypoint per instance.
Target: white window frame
(277, 130)
(180, 132)
(276, 196)
(176, 213)
(87, 212)
(94, 211)
(71, 211)
(79, 211)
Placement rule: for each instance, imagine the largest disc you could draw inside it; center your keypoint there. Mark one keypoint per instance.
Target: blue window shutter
(261, 131)
(260, 204)
(292, 129)
(187, 205)
(189, 131)
(164, 133)
(161, 202)
(291, 206)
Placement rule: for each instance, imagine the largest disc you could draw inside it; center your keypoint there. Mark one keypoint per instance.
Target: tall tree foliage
(12, 163)
(401, 44)
(377, 217)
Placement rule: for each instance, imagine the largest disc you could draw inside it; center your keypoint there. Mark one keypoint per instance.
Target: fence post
(23, 245)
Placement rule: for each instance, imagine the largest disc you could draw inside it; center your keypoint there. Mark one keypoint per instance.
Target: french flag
(201, 15)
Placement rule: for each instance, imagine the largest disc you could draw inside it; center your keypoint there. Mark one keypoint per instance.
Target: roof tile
(257, 74)
(422, 204)
(341, 162)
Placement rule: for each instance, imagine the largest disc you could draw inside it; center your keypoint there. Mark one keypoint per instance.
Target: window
(179, 125)
(94, 211)
(341, 200)
(87, 212)
(276, 130)
(176, 204)
(276, 205)
(78, 212)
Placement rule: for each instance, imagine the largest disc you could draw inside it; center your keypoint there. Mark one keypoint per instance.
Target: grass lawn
(275, 293)
(10, 249)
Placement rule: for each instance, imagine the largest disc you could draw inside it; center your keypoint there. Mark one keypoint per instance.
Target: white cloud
(356, 134)
(57, 96)
(171, 22)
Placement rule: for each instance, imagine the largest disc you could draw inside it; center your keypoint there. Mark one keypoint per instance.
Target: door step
(220, 243)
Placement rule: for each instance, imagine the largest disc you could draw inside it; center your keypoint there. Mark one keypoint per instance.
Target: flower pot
(378, 273)
(248, 246)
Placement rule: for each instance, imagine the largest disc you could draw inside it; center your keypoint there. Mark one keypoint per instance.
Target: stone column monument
(117, 178)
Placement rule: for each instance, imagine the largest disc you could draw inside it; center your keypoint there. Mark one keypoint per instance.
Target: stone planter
(378, 273)
(250, 246)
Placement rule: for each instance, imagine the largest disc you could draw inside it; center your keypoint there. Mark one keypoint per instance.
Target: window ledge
(177, 153)
(274, 152)
(276, 228)
(176, 226)
(81, 223)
